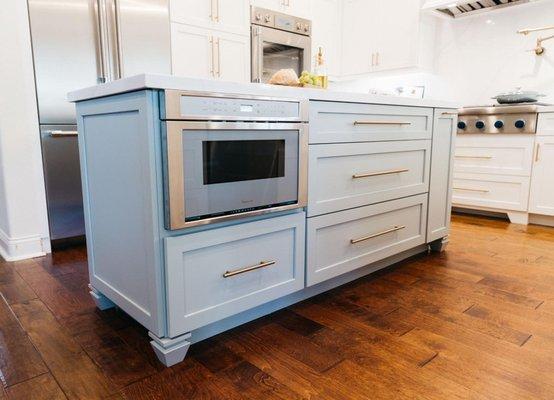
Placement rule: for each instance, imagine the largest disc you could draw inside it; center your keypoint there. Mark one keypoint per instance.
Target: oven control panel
(220, 108)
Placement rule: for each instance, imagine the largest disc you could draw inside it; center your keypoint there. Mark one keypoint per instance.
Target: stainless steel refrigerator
(80, 43)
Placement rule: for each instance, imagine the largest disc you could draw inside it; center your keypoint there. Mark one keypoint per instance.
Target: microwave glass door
(232, 171)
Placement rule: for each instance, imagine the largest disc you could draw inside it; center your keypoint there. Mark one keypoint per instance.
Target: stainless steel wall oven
(279, 41)
(229, 157)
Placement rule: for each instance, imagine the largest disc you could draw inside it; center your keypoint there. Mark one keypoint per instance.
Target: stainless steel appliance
(229, 157)
(80, 43)
(499, 119)
(279, 41)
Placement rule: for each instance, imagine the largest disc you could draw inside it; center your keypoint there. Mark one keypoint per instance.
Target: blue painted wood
(120, 170)
(200, 294)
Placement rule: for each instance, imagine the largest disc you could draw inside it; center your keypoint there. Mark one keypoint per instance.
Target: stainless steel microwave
(279, 41)
(229, 157)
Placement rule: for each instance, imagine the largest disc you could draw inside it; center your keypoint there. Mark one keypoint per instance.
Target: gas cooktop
(500, 118)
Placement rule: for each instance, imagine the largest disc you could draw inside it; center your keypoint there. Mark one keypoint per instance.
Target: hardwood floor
(475, 322)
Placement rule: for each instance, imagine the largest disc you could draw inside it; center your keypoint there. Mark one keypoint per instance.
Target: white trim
(15, 249)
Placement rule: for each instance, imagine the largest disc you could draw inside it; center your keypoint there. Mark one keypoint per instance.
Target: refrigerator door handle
(96, 7)
(104, 41)
(117, 39)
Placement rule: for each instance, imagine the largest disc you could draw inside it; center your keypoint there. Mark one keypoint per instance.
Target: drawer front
(504, 155)
(347, 240)
(214, 274)
(332, 122)
(545, 125)
(349, 175)
(491, 191)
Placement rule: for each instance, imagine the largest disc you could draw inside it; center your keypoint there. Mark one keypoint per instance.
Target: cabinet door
(233, 57)
(326, 32)
(542, 189)
(192, 12)
(192, 51)
(233, 16)
(298, 8)
(440, 185)
(225, 15)
(397, 39)
(276, 5)
(358, 36)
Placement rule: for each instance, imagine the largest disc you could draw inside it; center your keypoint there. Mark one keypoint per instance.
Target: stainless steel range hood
(457, 8)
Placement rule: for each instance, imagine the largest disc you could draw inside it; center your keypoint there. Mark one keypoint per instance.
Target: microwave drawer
(491, 191)
(333, 122)
(344, 241)
(349, 175)
(214, 274)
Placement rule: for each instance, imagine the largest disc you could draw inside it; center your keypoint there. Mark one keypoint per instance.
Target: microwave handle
(257, 54)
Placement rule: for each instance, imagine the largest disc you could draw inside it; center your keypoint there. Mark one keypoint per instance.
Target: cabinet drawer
(347, 240)
(332, 122)
(349, 175)
(215, 274)
(491, 191)
(504, 155)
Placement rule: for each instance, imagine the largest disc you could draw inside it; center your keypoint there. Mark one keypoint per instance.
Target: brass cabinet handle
(216, 10)
(59, 133)
(212, 68)
(450, 113)
(374, 235)
(378, 173)
(477, 157)
(262, 264)
(382, 123)
(471, 190)
(218, 58)
(537, 154)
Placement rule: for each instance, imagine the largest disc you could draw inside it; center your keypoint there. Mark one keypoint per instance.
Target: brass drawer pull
(382, 123)
(363, 239)
(262, 264)
(450, 113)
(477, 157)
(471, 190)
(389, 172)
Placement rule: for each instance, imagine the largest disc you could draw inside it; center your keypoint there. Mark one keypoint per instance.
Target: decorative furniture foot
(170, 351)
(518, 217)
(439, 245)
(102, 302)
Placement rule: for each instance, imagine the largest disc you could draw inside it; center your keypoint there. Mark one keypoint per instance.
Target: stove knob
(480, 125)
(298, 26)
(499, 124)
(520, 124)
(268, 18)
(462, 125)
(258, 17)
(307, 28)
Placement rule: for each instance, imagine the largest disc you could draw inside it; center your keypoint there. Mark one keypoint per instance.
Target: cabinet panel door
(192, 51)
(542, 188)
(233, 57)
(193, 12)
(298, 8)
(326, 32)
(233, 16)
(397, 45)
(358, 36)
(276, 5)
(440, 185)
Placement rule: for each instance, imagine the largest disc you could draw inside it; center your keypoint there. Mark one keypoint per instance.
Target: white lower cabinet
(204, 53)
(349, 175)
(541, 199)
(214, 274)
(344, 241)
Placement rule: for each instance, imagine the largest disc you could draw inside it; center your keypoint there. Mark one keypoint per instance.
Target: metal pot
(518, 96)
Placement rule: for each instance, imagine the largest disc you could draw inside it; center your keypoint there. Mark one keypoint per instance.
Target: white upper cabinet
(298, 8)
(379, 35)
(224, 15)
(204, 53)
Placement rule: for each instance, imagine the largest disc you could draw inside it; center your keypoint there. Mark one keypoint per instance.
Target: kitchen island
(209, 204)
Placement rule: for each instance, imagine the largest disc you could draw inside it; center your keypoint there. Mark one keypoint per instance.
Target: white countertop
(152, 81)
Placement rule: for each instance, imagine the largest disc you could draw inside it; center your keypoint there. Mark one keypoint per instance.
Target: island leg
(439, 245)
(170, 351)
(102, 302)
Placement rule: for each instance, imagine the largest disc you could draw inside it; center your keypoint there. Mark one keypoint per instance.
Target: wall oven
(229, 157)
(279, 41)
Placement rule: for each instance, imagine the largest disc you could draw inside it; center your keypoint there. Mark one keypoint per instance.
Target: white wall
(23, 216)
(480, 56)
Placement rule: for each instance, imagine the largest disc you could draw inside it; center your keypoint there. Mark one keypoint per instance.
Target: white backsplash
(479, 57)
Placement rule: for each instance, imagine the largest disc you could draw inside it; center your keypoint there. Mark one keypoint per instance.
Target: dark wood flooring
(476, 322)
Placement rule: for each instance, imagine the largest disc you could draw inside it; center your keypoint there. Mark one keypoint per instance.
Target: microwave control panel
(238, 109)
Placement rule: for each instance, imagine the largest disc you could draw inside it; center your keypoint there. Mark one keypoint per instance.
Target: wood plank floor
(475, 322)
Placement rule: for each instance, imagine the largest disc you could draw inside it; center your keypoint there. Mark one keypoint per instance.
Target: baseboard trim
(16, 249)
